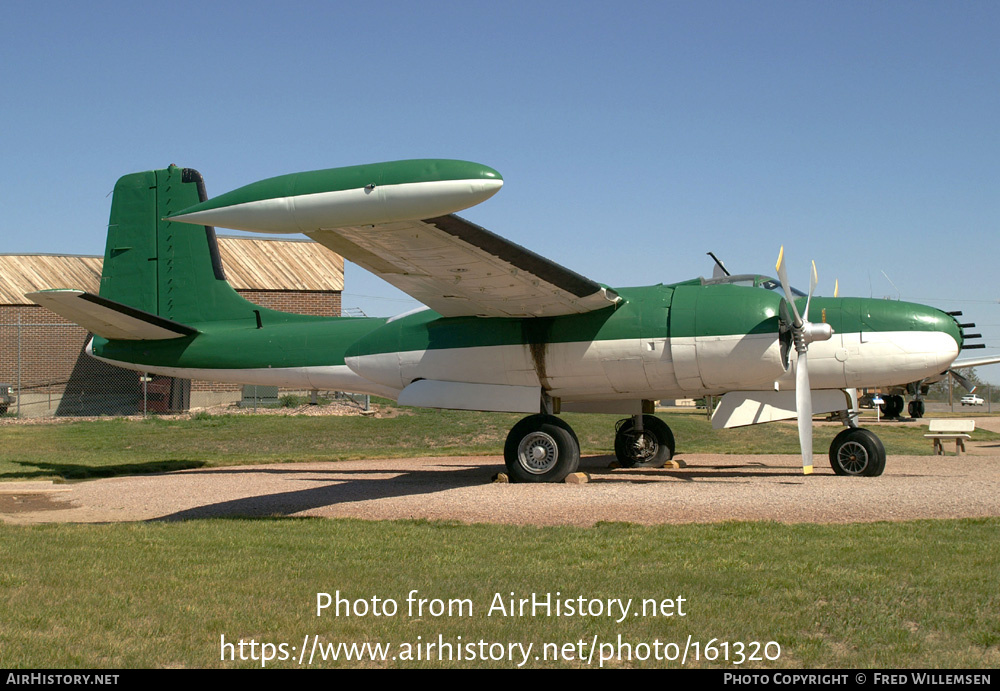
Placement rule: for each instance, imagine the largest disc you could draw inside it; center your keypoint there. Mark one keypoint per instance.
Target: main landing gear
(650, 446)
(893, 405)
(543, 448)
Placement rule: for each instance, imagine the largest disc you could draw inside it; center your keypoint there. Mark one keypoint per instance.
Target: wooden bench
(942, 430)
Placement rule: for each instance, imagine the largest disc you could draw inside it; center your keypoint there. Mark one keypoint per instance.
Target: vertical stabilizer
(169, 269)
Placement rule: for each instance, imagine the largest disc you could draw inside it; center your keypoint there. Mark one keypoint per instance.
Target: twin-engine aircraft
(504, 329)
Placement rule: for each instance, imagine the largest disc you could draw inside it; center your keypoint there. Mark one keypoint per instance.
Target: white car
(972, 399)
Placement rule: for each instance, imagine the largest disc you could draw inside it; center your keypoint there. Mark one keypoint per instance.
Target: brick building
(42, 355)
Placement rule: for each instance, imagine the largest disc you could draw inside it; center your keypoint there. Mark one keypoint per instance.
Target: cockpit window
(751, 281)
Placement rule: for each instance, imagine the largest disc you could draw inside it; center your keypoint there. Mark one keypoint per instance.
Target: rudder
(165, 268)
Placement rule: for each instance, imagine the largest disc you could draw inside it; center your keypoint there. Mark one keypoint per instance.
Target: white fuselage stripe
(623, 369)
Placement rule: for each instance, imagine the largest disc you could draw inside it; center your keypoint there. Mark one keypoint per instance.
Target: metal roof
(250, 264)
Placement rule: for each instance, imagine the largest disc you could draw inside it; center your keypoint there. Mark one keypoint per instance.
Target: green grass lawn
(95, 448)
(887, 595)
(918, 594)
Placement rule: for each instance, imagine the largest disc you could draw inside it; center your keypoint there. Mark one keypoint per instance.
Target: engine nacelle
(726, 337)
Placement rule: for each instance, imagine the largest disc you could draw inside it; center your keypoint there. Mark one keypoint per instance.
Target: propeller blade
(836, 287)
(803, 410)
(783, 277)
(813, 282)
(803, 333)
(784, 313)
(965, 383)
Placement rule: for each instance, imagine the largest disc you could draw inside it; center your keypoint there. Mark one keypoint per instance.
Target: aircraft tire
(657, 448)
(916, 409)
(857, 452)
(896, 405)
(541, 448)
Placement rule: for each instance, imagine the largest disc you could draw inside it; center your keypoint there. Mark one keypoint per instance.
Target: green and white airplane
(504, 329)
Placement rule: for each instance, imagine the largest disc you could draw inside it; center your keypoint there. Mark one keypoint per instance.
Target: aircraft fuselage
(663, 341)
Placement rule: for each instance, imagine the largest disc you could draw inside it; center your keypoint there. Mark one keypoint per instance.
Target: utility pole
(19, 365)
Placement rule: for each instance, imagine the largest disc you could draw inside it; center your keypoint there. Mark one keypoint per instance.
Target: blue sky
(633, 137)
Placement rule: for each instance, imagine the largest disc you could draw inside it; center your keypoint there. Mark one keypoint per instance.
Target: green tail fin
(169, 269)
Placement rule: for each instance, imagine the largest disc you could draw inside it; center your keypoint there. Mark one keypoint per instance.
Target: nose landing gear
(857, 451)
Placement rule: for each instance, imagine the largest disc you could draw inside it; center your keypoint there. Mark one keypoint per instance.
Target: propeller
(963, 382)
(804, 332)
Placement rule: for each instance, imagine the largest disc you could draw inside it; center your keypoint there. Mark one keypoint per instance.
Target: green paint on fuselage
(860, 315)
(304, 342)
(643, 313)
(679, 311)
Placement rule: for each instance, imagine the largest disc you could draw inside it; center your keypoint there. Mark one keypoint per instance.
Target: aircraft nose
(929, 338)
(896, 316)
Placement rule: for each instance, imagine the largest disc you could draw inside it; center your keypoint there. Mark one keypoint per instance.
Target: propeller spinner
(804, 332)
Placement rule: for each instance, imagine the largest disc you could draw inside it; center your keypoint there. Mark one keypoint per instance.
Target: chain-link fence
(45, 372)
(48, 373)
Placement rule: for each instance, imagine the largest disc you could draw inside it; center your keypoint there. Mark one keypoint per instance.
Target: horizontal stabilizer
(109, 319)
(740, 408)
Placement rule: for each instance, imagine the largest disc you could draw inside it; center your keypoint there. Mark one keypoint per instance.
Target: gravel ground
(711, 488)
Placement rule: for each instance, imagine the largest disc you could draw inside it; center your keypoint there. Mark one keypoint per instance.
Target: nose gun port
(965, 345)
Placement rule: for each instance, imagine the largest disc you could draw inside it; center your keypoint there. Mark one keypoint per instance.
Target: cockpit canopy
(750, 281)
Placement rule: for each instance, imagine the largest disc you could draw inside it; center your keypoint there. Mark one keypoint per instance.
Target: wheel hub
(643, 447)
(538, 453)
(853, 457)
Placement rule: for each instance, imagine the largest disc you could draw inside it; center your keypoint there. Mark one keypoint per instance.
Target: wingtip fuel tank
(351, 196)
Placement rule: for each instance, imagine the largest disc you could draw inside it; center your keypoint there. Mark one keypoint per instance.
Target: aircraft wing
(364, 214)
(460, 269)
(975, 362)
